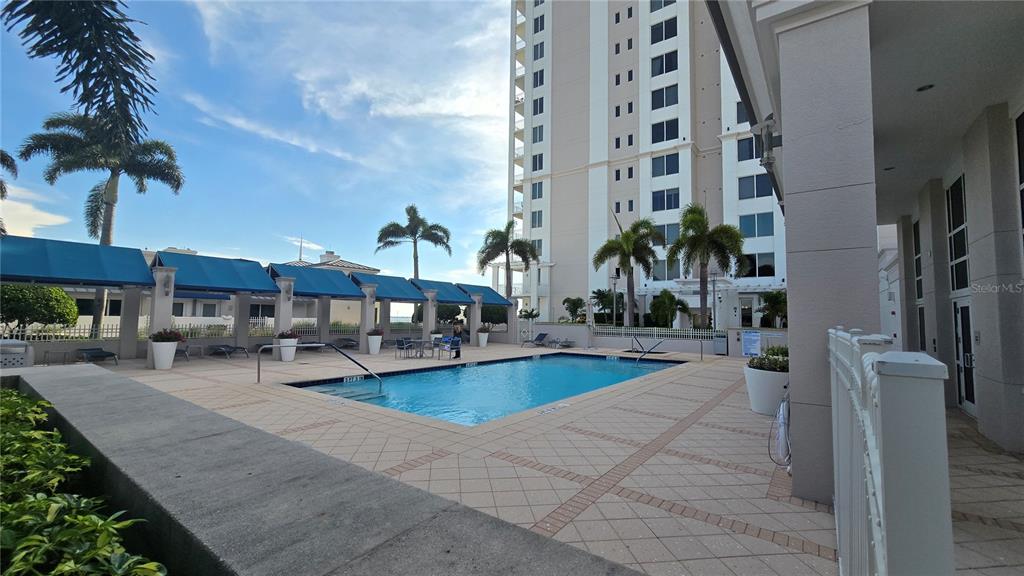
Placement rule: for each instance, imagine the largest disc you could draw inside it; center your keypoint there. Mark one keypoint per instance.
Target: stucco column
(385, 318)
(366, 316)
(475, 312)
(828, 174)
(908, 287)
(131, 304)
(160, 305)
(512, 321)
(283, 304)
(429, 313)
(323, 319)
(242, 302)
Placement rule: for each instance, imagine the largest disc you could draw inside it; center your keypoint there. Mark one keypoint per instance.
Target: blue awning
(216, 274)
(318, 281)
(447, 293)
(491, 298)
(58, 262)
(190, 295)
(390, 287)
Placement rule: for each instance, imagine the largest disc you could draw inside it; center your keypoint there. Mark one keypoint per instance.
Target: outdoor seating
(404, 347)
(537, 341)
(91, 354)
(346, 343)
(451, 346)
(226, 349)
(562, 343)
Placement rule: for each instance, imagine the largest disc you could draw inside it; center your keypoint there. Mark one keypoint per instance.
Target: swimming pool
(471, 395)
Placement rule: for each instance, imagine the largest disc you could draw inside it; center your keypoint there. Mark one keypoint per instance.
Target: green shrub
(776, 351)
(774, 359)
(44, 530)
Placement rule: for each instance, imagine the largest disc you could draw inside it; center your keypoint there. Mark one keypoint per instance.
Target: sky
(312, 120)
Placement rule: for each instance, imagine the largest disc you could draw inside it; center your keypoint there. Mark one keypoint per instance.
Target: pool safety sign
(751, 343)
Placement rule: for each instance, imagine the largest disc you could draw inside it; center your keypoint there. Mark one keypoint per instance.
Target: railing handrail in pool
(647, 351)
(259, 359)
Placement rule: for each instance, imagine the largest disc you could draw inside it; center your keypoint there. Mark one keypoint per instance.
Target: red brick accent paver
(545, 468)
(781, 490)
(645, 413)
(1003, 523)
(416, 462)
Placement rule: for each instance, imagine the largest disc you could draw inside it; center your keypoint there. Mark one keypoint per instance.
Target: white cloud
(20, 215)
(304, 242)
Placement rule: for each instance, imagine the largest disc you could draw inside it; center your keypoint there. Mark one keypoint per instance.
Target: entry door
(747, 312)
(964, 354)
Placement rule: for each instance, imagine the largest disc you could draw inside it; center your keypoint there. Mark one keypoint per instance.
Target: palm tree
(699, 244)
(8, 164)
(575, 307)
(774, 307)
(76, 142)
(502, 242)
(633, 246)
(416, 229)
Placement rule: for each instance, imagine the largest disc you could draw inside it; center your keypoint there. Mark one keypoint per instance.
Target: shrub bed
(45, 529)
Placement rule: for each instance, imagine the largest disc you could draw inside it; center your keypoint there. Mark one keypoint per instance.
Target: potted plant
(482, 333)
(374, 337)
(164, 344)
(287, 340)
(767, 378)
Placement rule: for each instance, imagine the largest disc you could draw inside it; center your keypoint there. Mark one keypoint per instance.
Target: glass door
(964, 355)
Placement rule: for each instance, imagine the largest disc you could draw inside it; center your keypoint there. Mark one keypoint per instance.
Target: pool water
(472, 395)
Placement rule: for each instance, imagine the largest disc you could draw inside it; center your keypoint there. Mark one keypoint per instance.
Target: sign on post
(751, 343)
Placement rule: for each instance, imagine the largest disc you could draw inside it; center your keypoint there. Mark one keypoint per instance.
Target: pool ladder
(259, 358)
(645, 351)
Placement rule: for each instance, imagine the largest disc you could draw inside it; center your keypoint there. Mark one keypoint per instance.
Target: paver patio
(668, 473)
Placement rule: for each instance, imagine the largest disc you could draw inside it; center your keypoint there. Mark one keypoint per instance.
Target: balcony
(517, 209)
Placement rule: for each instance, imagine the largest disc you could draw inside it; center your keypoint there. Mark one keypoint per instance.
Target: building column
(242, 302)
(474, 318)
(367, 316)
(938, 307)
(512, 320)
(831, 239)
(385, 318)
(323, 319)
(160, 305)
(429, 313)
(131, 305)
(283, 304)
(908, 283)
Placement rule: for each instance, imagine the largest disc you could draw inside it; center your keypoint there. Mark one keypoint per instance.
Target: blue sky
(320, 120)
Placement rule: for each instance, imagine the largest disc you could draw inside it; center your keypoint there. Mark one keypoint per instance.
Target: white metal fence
(342, 329)
(890, 463)
(660, 333)
(40, 333)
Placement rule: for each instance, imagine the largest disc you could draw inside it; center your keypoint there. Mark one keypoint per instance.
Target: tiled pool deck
(668, 473)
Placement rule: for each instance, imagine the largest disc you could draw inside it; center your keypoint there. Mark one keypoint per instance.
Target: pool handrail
(259, 359)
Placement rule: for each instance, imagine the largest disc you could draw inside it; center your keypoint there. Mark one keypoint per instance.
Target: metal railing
(305, 328)
(259, 359)
(41, 333)
(890, 463)
(341, 328)
(655, 332)
(205, 330)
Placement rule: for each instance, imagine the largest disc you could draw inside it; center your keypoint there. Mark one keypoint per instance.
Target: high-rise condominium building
(621, 111)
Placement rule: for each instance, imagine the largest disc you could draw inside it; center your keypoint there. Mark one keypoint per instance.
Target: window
(629, 75)
(113, 307)
(749, 148)
(629, 107)
(618, 79)
(538, 50)
(618, 143)
(178, 309)
(538, 24)
(755, 186)
(659, 4)
(536, 190)
(629, 172)
(956, 222)
(209, 310)
(261, 310)
(537, 3)
(629, 139)
(538, 162)
(760, 265)
(617, 48)
(667, 96)
(664, 131)
(616, 207)
(630, 204)
(663, 30)
(918, 277)
(536, 219)
(538, 133)
(618, 111)
(665, 200)
(629, 12)
(538, 78)
(629, 43)
(670, 232)
(922, 340)
(754, 225)
(538, 106)
(667, 62)
(667, 164)
(741, 113)
(538, 245)
(618, 174)
(664, 270)
(618, 17)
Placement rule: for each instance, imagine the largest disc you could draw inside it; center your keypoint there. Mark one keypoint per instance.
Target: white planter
(374, 342)
(163, 354)
(765, 389)
(287, 349)
(481, 338)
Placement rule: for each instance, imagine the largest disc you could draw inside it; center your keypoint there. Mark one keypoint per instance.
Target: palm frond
(611, 249)
(93, 212)
(160, 169)
(7, 163)
(392, 232)
(524, 251)
(438, 236)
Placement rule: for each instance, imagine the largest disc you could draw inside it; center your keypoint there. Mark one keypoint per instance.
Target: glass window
(629, 172)
(538, 245)
(657, 200)
(748, 225)
(209, 310)
(741, 113)
(618, 111)
(766, 264)
(618, 17)
(536, 190)
(538, 134)
(629, 12)
(618, 143)
(538, 24)
(630, 205)
(672, 199)
(629, 75)
(178, 309)
(673, 270)
(764, 185)
(667, 96)
(113, 307)
(538, 106)
(751, 271)
(538, 162)
(663, 30)
(629, 139)
(536, 219)
(261, 310)
(618, 174)
(629, 107)
(659, 4)
(538, 51)
(618, 79)
(629, 43)
(667, 164)
(617, 207)
(617, 48)
(664, 63)
(745, 149)
(659, 270)
(538, 78)
(765, 224)
(922, 340)
(664, 131)
(746, 187)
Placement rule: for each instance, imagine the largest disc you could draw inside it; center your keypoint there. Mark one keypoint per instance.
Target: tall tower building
(616, 114)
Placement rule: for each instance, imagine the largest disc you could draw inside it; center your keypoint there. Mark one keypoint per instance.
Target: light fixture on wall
(167, 285)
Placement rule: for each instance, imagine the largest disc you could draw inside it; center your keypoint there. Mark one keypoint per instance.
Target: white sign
(751, 343)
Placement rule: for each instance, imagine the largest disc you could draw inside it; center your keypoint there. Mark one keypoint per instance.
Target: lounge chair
(226, 349)
(346, 343)
(91, 354)
(451, 346)
(562, 343)
(537, 341)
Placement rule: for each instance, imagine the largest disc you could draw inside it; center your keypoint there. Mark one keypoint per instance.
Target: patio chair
(226, 349)
(452, 346)
(562, 343)
(537, 341)
(404, 347)
(91, 354)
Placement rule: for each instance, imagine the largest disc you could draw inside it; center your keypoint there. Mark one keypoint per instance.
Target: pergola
(386, 289)
(323, 285)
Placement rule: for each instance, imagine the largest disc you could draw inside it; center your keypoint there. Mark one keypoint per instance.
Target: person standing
(457, 334)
